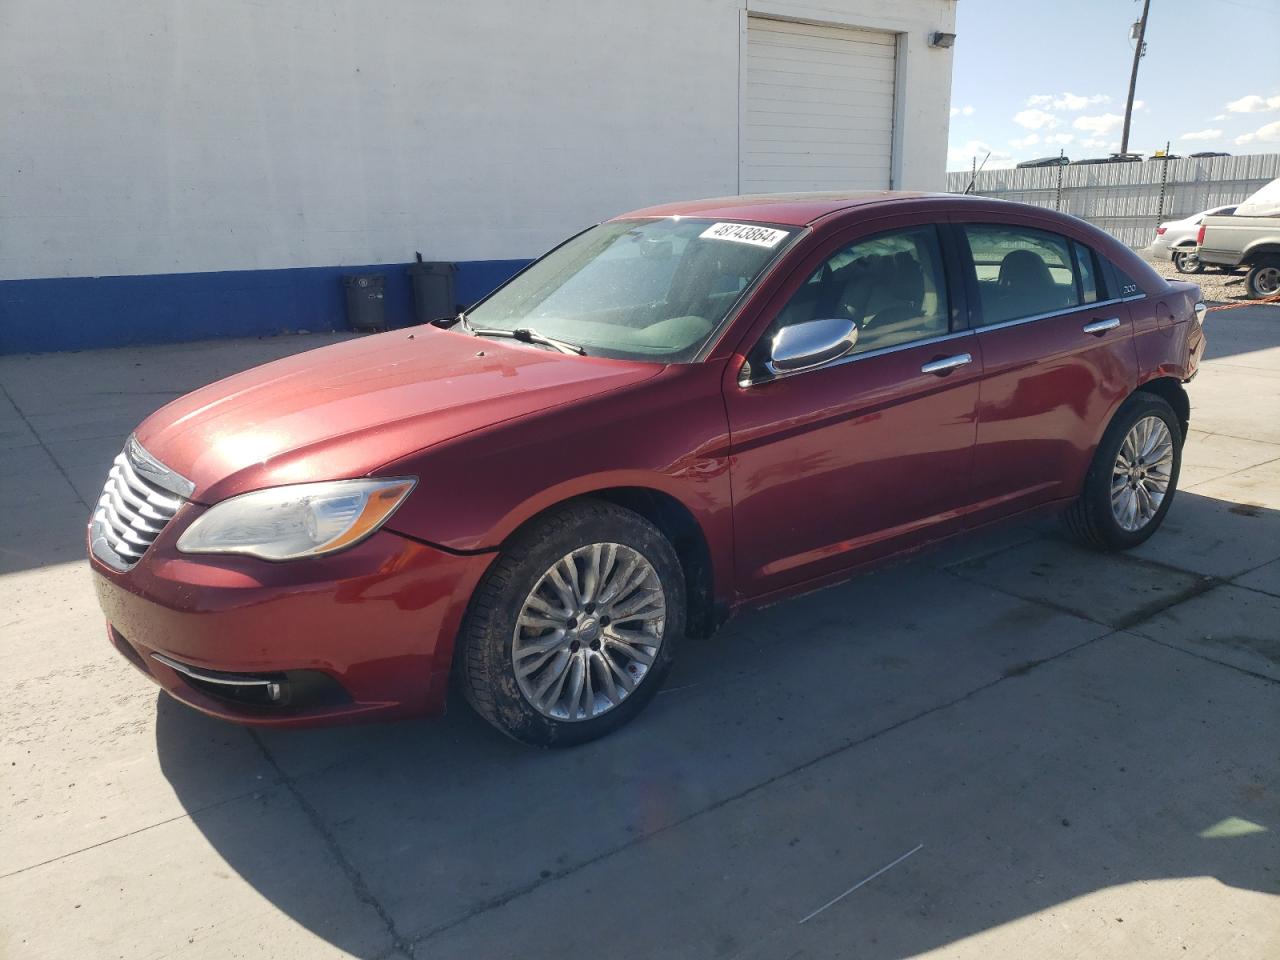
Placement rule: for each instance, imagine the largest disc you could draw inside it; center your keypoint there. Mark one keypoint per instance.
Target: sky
(1035, 76)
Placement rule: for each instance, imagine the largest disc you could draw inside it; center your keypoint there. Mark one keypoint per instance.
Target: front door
(1058, 356)
(868, 453)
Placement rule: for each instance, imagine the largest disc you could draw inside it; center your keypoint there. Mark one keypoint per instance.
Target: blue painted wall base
(84, 313)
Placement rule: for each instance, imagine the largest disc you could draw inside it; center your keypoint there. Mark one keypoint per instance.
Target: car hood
(346, 409)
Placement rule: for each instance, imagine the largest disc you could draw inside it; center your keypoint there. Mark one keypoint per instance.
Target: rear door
(1058, 356)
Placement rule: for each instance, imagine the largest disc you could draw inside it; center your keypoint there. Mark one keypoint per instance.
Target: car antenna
(976, 170)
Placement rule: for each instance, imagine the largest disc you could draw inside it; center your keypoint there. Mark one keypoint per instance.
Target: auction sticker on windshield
(744, 233)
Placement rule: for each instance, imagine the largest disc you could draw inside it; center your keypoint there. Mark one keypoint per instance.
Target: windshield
(638, 289)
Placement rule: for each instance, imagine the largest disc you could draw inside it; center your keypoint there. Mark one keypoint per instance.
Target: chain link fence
(1128, 200)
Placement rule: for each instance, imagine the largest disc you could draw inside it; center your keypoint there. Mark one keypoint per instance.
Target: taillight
(1200, 236)
(1159, 231)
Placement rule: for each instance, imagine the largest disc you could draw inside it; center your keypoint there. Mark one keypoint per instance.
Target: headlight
(301, 520)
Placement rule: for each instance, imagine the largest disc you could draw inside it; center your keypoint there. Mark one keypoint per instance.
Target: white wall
(158, 136)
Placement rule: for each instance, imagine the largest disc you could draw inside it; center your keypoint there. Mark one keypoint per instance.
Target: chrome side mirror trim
(804, 346)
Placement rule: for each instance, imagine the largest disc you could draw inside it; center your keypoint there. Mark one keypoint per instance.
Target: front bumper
(360, 635)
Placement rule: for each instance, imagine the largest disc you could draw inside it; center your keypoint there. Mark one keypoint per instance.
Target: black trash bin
(432, 290)
(366, 307)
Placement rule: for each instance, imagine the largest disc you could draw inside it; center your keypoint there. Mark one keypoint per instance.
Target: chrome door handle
(940, 367)
(1099, 327)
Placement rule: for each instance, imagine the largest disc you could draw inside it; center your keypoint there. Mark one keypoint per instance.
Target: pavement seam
(1230, 474)
(502, 900)
(1199, 656)
(43, 446)
(361, 889)
(185, 815)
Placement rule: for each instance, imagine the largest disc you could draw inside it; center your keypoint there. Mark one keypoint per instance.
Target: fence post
(1164, 179)
(1057, 197)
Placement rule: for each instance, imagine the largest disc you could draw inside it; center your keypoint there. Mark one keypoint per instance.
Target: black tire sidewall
(1179, 260)
(526, 558)
(1251, 279)
(1098, 483)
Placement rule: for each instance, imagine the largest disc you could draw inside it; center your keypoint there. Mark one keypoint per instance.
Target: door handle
(1099, 327)
(946, 364)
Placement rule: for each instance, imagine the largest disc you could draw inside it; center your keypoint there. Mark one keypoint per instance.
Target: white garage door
(819, 108)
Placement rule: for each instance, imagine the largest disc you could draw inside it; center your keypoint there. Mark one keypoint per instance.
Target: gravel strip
(1216, 286)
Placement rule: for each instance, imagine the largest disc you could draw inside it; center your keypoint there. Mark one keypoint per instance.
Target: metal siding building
(172, 171)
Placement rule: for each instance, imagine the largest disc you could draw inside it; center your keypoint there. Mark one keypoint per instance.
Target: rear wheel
(572, 630)
(1263, 279)
(1133, 477)
(1187, 261)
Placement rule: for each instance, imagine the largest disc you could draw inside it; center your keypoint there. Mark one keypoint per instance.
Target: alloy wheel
(589, 631)
(1142, 472)
(1267, 281)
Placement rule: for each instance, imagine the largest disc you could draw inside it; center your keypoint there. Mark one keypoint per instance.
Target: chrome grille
(141, 496)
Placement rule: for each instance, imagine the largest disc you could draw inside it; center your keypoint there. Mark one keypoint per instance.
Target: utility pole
(1133, 76)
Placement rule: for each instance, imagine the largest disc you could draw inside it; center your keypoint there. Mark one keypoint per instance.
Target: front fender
(668, 433)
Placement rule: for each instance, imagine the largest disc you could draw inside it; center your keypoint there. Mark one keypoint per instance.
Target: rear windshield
(639, 289)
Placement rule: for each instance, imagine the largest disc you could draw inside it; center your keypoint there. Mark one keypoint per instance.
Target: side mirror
(803, 346)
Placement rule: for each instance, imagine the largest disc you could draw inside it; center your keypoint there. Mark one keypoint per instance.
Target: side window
(1022, 272)
(891, 285)
(1087, 269)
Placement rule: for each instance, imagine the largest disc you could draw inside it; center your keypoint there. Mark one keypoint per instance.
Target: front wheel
(1263, 279)
(1133, 477)
(571, 631)
(1187, 261)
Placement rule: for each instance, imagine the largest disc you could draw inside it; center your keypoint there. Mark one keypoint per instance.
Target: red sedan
(676, 413)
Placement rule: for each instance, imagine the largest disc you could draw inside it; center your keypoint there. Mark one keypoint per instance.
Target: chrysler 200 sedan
(672, 415)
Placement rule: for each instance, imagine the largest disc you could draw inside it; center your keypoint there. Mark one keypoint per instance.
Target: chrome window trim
(855, 357)
(1096, 305)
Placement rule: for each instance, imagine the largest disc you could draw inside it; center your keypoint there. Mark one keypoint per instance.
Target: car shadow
(1039, 753)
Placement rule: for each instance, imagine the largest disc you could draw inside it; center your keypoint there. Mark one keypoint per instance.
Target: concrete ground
(1006, 747)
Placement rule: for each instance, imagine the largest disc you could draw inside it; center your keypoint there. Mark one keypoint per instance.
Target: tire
(1187, 261)
(494, 632)
(1092, 519)
(1263, 279)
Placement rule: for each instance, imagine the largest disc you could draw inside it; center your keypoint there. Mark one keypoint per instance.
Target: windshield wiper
(526, 335)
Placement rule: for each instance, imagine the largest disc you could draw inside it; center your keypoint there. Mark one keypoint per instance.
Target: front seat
(1026, 286)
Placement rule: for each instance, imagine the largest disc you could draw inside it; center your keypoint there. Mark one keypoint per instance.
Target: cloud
(1254, 104)
(1027, 141)
(960, 157)
(1059, 138)
(1139, 104)
(1267, 133)
(1071, 101)
(1066, 101)
(1102, 124)
(1207, 134)
(1221, 116)
(1035, 119)
(967, 110)
(1100, 143)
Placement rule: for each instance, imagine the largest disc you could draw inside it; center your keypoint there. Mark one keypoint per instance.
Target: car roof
(789, 209)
